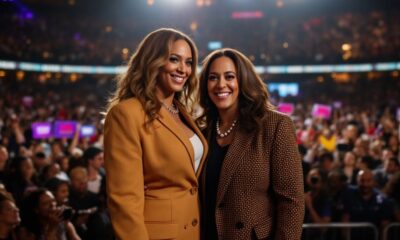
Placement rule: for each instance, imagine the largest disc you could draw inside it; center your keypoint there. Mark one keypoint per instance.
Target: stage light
(346, 47)
(150, 2)
(285, 45)
(20, 75)
(280, 4)
(108, 29)
(125, 51)
(193, 26)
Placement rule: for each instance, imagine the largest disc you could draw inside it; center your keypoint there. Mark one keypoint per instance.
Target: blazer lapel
(196, 130)
(233, 158)
(170, 124)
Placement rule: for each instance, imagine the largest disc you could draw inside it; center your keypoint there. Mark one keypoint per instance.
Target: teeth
(222, 94)
(178, 79)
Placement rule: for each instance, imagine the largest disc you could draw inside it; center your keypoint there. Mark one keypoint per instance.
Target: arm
(75, 139)
(315, 216)
(124, 169)
(287, 182)
(71, 232)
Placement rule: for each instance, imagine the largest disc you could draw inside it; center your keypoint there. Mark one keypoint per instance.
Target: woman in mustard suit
(152, 148)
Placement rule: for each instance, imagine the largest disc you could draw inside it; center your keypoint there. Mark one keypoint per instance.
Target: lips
(223, 95)
(177, 79)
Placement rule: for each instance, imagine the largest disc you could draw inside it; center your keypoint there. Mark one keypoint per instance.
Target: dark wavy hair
(140, 79)
(253, 94)
(30, 218)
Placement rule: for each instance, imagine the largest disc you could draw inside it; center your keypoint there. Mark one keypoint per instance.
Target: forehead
(222, 64)
(47, 196)
(182, 48)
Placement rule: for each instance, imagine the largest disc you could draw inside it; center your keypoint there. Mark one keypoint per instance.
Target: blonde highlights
(140, 79)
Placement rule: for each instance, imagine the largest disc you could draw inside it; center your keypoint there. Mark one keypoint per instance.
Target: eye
(212, 77)
(230, 77)
(189, 63)
(173, 59)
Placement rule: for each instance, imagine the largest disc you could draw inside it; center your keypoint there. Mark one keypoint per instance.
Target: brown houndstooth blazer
(260, 191)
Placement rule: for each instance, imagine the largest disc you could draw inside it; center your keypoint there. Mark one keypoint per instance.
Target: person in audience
(364, 203)
(9, 217)
(41, 219)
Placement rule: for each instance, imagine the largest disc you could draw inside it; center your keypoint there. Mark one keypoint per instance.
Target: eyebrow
(179, 56)
(227, 72)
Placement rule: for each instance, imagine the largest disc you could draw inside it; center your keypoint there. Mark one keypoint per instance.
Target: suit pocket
(263, 230)
(158, 210)
(162, 230)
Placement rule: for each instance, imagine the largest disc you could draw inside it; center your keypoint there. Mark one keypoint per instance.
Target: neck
(227, 116)
(5, 231)
(92, 172)
(166, 99)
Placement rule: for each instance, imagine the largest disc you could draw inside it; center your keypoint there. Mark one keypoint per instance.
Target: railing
(343, 225)
(386, 230)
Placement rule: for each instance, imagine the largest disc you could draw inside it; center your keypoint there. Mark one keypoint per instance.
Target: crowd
(54, 188)
(350, 161)
(330, 38)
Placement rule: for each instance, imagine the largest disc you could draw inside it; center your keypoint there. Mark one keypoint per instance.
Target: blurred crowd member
(318, 203)
(84, 202)
(22, 178)
(364, 203)
(392, 190)
(328, 140)
(3, 162)
(9, 217)
(41, 219)
(350, 167)
(60, 190)
(94, 161)
(383, 175)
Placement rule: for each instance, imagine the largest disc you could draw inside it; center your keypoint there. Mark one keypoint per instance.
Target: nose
(221, 82)
(181, 67)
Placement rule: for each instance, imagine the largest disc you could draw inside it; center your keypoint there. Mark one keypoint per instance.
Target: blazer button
(239, 225)
(194, 222)
(193, 190)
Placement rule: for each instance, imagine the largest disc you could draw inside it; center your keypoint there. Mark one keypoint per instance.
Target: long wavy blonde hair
(140, 79)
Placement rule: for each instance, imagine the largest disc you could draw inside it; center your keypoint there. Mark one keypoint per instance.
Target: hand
(308, 199)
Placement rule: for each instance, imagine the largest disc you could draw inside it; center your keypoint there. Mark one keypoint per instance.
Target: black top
(213, 168)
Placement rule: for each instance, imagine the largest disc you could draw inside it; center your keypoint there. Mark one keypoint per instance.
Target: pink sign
(321, 111)
(286, 108)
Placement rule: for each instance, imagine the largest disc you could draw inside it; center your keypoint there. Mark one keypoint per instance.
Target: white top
(94, 185)
(198, 150)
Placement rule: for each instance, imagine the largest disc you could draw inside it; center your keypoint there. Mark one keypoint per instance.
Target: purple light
(77, 36)
(28, 15)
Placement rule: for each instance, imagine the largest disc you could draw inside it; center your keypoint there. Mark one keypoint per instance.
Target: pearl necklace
(172, 109)
(221, 135)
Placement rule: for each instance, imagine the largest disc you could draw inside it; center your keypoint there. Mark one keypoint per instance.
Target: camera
(67, 213)
(314, 180)
(87, 211)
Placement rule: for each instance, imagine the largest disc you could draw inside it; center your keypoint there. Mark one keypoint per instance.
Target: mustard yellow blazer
(151, 182)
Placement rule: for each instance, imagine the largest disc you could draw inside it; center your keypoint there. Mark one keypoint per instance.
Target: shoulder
(128, 106)
(132, 104)
(276, 119)
(127, 111)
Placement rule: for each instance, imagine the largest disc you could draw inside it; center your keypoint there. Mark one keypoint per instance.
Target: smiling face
(176, 71)
(223, 84)
(9, 213)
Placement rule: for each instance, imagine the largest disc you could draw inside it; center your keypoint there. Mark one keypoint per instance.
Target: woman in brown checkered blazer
(252, 186)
